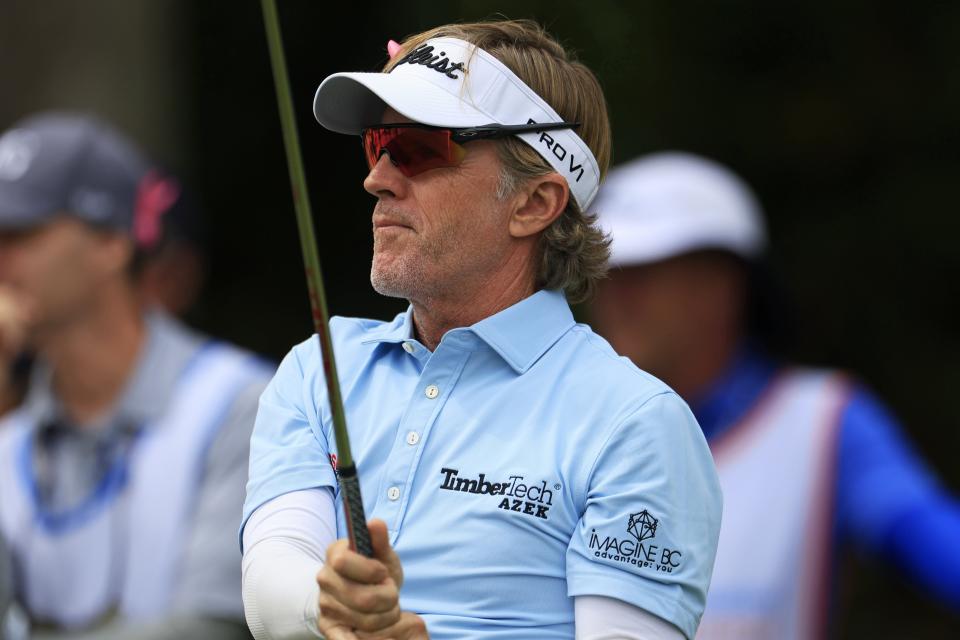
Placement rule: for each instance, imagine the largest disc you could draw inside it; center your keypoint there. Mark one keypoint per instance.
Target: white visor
(447, 82)
(671, 203)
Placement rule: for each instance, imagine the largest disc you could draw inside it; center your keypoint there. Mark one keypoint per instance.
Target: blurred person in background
(169, 274)
(807, 458)
(122, 473)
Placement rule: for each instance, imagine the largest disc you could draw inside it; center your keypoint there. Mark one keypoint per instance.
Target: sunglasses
(414, 148)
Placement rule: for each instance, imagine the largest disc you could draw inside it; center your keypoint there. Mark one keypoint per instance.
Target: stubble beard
(420, 272)
(406, 274)
(425, 269)
(397, 280)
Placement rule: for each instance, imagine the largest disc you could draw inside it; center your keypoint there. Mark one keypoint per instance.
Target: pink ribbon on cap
(155, 195)
(393, 48)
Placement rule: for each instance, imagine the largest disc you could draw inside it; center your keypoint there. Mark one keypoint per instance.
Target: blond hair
(574, 251)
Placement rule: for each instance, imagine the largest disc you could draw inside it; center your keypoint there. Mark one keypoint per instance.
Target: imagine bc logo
(642, 526)
(638, 552)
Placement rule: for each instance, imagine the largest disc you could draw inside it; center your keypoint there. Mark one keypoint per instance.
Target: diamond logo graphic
(642, 526)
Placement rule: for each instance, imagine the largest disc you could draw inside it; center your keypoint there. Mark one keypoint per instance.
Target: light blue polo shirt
(520, 464)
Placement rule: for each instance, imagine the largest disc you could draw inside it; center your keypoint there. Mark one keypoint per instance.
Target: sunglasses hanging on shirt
(414, 148)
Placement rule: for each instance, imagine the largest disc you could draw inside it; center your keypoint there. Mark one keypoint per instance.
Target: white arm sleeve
(284, 544)
(602, 618)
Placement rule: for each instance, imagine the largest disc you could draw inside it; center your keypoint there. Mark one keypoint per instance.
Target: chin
(387, 289)
(400, 275)
(389, 282)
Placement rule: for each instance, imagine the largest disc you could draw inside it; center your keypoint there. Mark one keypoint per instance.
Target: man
(806, 458)
(170, 273)
(531, 483)
(121, 474)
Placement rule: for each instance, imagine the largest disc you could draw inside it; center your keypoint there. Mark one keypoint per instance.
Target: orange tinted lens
(412, 150)
(374, 144)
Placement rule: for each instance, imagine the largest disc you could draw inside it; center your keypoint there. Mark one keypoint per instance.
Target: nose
(385, 180)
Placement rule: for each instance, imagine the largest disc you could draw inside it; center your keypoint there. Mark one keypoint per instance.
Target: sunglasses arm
(503, 130)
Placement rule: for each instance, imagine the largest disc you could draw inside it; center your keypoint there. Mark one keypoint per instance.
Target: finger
(332, 630)
(409, 627)
(359, 597)
(380, 541)
(379, 538)
(14, 303)
(352, 566)
(14, 316)
(333, 610)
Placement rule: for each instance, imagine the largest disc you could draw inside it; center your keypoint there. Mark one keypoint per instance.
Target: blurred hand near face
(14, 319)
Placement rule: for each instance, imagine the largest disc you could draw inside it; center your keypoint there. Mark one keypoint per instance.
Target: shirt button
(413, 438)
(432, 391)
(393, 493)
(408, 347)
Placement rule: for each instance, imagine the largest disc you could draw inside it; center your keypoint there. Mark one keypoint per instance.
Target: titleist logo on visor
(439, 63)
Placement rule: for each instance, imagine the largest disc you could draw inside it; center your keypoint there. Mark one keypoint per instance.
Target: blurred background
(844, 117)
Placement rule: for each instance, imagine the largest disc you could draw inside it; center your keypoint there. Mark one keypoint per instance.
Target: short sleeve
(289, 449)
(648, 533)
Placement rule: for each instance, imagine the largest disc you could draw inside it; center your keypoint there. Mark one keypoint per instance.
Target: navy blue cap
(55, 164)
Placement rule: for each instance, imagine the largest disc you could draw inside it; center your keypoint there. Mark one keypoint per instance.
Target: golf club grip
(353, 508)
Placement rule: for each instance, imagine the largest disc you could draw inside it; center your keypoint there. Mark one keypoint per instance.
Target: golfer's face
(435, 232)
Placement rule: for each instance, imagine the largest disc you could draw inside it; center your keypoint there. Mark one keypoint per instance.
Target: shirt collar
(520, 334)
(525, 331)
(396, 331)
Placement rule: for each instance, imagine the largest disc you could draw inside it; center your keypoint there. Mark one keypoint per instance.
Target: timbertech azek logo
(518, 494)
(640, 550)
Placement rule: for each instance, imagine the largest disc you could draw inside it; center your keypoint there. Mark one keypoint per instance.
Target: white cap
(447, 82)
(666, 204)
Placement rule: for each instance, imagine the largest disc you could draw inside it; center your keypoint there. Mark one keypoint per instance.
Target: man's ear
(539, 203)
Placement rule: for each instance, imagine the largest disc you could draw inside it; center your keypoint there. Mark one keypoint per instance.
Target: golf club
(346, 469)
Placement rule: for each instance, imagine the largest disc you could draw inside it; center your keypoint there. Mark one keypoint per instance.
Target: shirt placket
(435, 385)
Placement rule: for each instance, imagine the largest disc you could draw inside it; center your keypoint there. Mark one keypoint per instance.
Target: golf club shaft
(346, 468)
